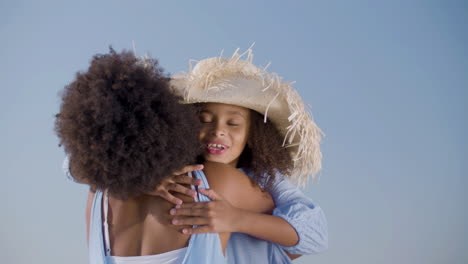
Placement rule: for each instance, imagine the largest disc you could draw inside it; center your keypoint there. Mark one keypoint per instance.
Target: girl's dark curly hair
(263, 155)
(122, 127)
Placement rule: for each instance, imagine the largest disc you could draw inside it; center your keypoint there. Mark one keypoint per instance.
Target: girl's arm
(291, 205)
(239, 194)
(307, 218)
(267, 227)
(221, 217)
(238, 206)
(297, 224)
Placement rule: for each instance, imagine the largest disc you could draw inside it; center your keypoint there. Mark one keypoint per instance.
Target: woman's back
(134, 223)
(135, 231)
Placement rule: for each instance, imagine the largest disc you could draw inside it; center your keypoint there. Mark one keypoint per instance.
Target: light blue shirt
(306, 217)
(300, 212)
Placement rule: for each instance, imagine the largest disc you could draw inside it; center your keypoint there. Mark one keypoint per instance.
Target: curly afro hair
(122, 127)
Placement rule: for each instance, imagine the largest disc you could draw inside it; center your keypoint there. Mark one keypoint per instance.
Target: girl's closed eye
(204, 118)
(234, 122)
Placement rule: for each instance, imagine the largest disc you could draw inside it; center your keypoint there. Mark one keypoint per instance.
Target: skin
(229, 125)
(226, 125)
(137, 225)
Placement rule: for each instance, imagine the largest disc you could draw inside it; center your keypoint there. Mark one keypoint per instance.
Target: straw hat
(238, 82)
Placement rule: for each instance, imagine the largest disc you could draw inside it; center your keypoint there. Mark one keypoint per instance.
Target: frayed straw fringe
(302, 136)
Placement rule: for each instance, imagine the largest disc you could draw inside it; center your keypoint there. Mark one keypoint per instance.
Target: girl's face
(224, 133)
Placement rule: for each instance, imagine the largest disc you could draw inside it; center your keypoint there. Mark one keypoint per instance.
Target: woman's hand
(216, 216)
(174, 184)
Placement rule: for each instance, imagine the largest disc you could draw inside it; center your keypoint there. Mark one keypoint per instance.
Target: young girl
(254, 121)
(125, 132)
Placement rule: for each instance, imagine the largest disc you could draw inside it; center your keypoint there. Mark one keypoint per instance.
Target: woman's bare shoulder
(223, 172)
(236, 187)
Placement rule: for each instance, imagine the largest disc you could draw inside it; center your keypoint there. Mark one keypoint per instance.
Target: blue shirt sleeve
(303, 215)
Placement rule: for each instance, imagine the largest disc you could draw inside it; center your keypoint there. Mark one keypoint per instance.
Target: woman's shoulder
(224, 177)
(222, 170)
(237, 187)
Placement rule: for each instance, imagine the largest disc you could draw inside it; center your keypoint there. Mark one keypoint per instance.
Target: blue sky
(386, 81)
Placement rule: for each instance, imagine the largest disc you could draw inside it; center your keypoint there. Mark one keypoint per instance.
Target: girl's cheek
(201, 135)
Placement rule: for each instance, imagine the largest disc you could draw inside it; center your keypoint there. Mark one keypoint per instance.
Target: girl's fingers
(210, 193)
(170, 198)
(190, 221)
(181, 189)
(197, 230)
(189, 212)
(189, 168)
(198, 205)
(182, 179)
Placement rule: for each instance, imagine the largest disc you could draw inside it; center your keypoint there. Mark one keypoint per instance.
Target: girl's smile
(216, 148)
(225, 132)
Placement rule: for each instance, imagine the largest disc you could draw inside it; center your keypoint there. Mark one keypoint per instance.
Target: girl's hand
(216, 216)
(174, 184)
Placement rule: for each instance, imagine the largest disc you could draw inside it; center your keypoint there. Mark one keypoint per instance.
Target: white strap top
(171, 257)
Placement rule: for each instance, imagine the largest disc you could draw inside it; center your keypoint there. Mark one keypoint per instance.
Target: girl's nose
(218, 131)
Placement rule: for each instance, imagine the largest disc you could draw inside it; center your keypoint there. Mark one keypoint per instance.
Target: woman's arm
(89, 203)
